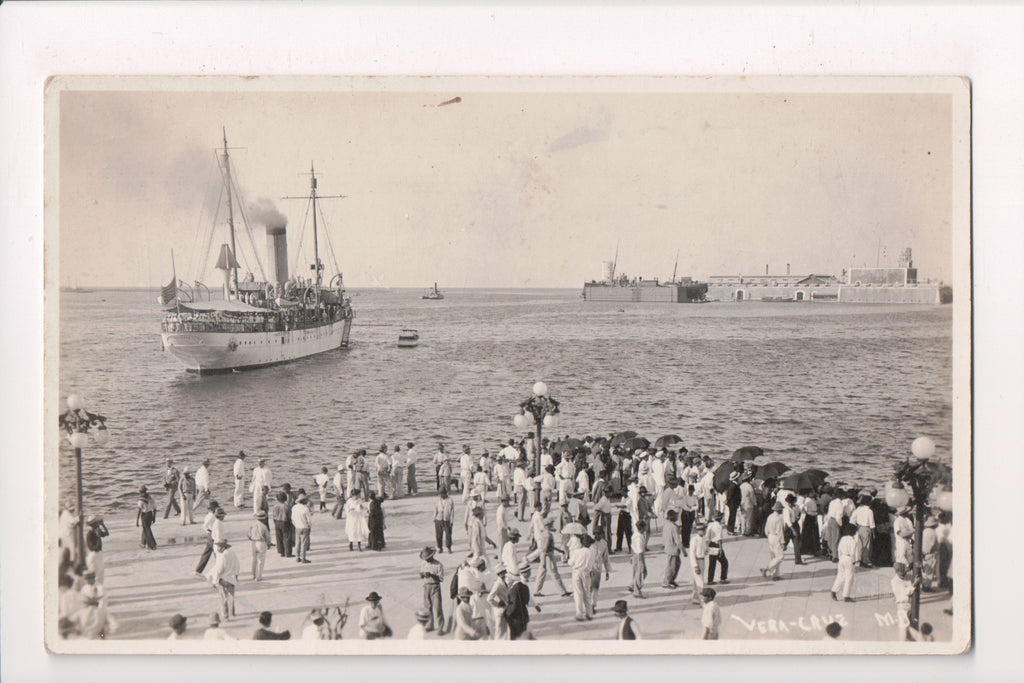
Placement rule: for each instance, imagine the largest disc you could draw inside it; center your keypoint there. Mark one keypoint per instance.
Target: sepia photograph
(508, 365)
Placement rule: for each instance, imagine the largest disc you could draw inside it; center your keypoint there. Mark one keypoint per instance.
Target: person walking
(187, 496)
(444, 515)
(302, 520)
(846, 552)
(147, 516)
(432, 573)
(623, 527)
(673, 546)
(202, 484)
(497, 598)
(638, 550)
(580, 578)
(464, 625)
(711, 617)
(208, 522)
(775, 530)
(715, 538)
(466, 472)
(239, 473)
(372, 623)
(546, 553)
(790, 517)
(626, 630)
(600, 562)
(517, 611)
(171, 478)
(223, 575)
(259, 536)
(698, 554)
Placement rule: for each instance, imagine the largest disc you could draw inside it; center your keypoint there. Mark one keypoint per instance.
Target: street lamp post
(540, 410)
(921, 475)
(79, 423)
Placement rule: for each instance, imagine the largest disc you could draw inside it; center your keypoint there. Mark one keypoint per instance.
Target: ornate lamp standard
(540, 410)
(79, 423)
(922, 476)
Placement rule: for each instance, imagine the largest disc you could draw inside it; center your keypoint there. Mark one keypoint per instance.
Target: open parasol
(622, 437)
(747, 453)
(771, 471)
(722, 472)
(798, 481)
(567, 445)
(668, 440)
(573, 528)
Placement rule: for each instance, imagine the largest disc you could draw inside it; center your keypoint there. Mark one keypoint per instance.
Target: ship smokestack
(787, 269)
(277, 254)
(766, 269)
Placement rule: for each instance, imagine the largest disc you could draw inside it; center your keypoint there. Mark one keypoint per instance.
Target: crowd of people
(582, 501)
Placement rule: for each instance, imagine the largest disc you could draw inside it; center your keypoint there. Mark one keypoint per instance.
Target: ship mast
(675, 267)
(316, 248)
(616, 261)
(231, 217)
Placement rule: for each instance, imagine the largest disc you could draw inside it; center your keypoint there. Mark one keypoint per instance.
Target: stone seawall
(911, 294)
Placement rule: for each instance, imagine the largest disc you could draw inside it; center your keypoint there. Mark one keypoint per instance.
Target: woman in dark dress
(375, 521)
(810, 538)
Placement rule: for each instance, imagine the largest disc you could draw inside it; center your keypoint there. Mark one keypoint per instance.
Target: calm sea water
(842, 387)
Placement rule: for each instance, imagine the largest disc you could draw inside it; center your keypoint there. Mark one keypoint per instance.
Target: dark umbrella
(722, 473)
(622, 437)
(636, 442)
(567, 445)
(668, 440)
(818, 475)
(771, 471)
(798, 482)
(747, 453)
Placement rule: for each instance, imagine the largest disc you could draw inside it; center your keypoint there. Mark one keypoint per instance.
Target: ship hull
(207, 353)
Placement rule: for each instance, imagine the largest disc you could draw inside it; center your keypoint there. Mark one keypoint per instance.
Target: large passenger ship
(256, 323)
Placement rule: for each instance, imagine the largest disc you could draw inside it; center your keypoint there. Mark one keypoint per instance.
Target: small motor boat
(408, 339)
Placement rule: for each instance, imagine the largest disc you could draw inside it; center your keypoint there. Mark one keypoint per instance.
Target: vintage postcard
(508, 365)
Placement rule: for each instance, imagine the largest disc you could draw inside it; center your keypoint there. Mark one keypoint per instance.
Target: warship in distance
(256, 323)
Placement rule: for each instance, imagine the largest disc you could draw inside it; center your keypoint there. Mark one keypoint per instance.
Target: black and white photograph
(509, 359)
(443, 342)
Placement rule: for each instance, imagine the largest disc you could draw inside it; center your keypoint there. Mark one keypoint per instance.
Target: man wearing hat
(626, 630)
(673, 546)
(187, 496)
(733, 497)
(698, 555)
(465, 626)
(419, 631)
(213, 525)
(372, 624)
(432, 573)
(302, 520)
(239, 473)
(171, 478)
(863, 518)
(845, 553)
(97, 531)
(261, 476)
(503, 515)
(147, 516)
(517, 612)
(903, 529)
(382, 463)
(223, 576)
(497, 598)
(715, 538)
(775, 530)
(259, 535)
(215, 632)
(202, 484)
(178, 624)
(509, 557)
(930, 554)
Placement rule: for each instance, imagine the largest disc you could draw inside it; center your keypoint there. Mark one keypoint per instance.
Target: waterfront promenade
(146, 587)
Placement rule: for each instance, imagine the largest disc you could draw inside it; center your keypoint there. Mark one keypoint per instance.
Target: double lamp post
(79, 424)
(540, 410)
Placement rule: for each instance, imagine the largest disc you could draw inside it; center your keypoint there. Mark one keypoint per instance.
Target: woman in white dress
(356, 527)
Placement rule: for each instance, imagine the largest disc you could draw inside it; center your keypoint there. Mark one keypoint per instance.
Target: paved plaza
(146, 587)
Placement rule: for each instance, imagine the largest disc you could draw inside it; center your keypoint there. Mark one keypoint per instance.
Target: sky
(517, 184)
